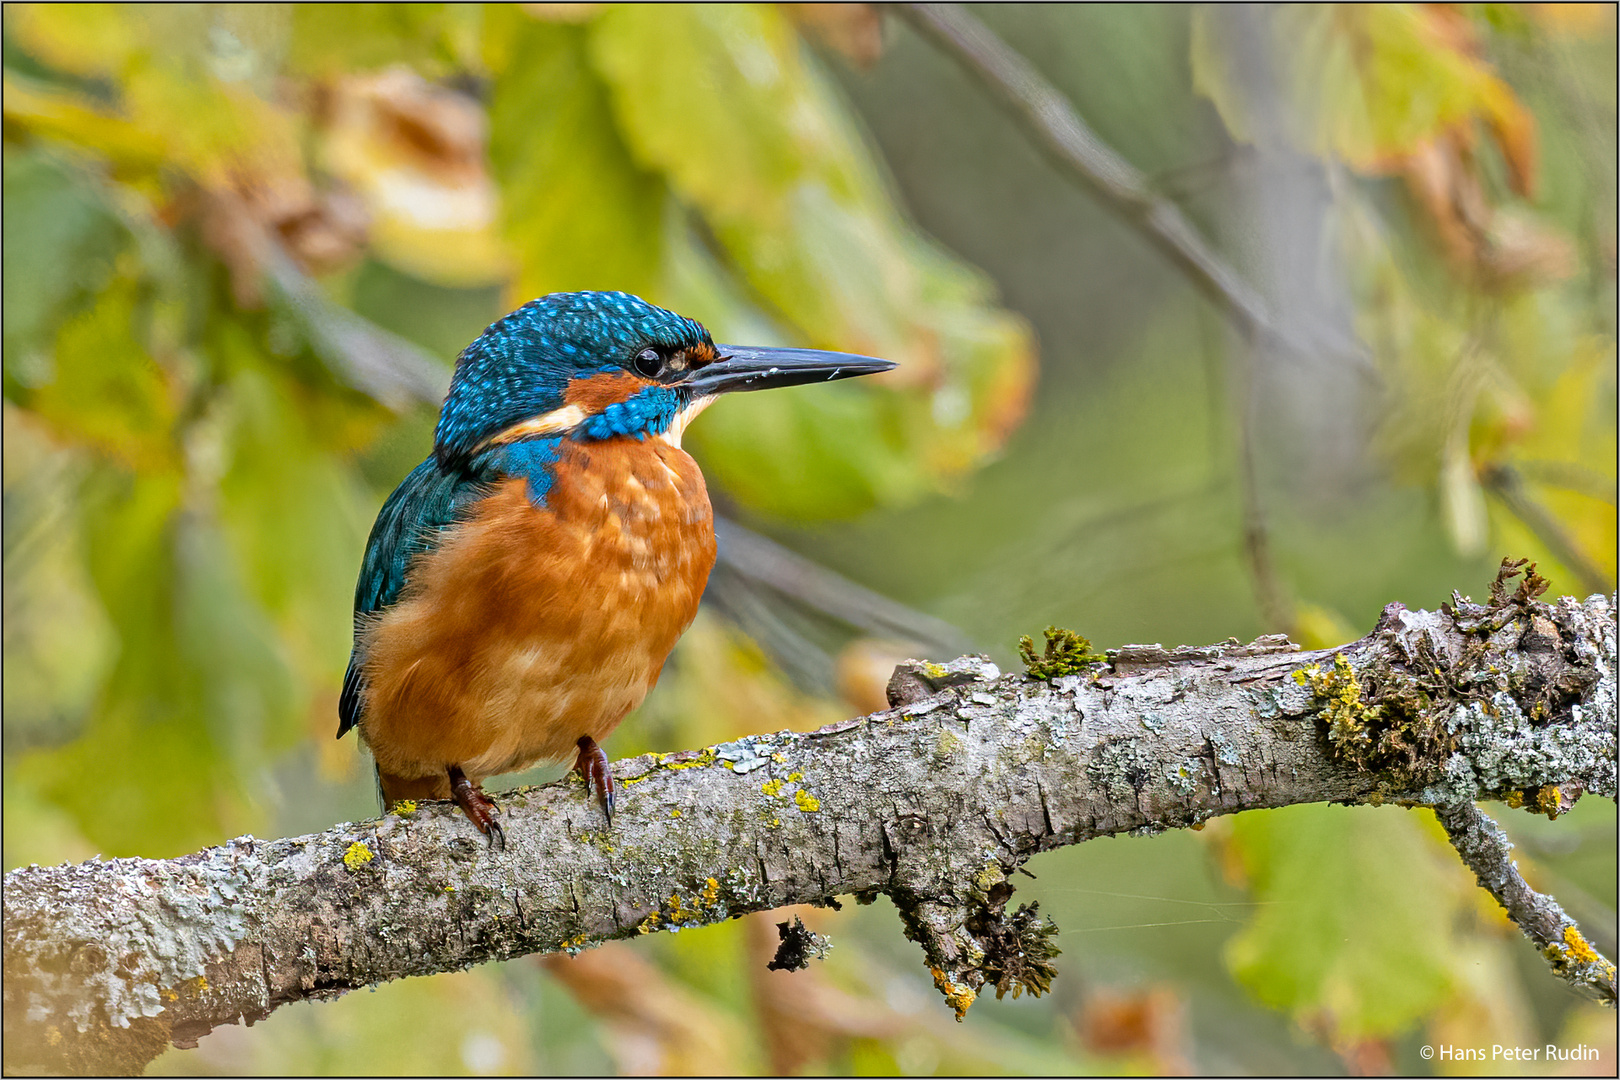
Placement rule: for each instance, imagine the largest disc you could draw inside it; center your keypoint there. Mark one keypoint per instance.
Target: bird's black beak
(743, 368)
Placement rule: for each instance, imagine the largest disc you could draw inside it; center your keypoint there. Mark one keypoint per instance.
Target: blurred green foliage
(244, 243)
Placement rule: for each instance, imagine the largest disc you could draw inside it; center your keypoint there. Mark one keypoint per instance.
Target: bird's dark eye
(649, 363)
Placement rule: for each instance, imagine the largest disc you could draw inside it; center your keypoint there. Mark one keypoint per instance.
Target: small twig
(1275, 607)
(1570, 476)
(380, 364)
(1485, 849)
(830, 593)
(1059, 131)
(1504, 482)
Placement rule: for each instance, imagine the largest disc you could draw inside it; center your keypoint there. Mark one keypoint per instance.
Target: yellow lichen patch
(404, 807)
(795, 777)
(706, 907)
(989, 877)
(674, 813)
(773, 788)
(357, 856)
(661, 762)
(960, 998)
(806, 801)
(1339, 693)
(1547, 802)
(779, 758)
(1578, 947)
(678, 911)
(935, 672)
(193, 989)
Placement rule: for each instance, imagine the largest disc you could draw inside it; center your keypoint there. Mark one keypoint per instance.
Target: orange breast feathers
(529, 627)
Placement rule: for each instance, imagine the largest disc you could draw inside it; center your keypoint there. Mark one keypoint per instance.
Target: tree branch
(935, 802)
(1506, 484)
(1058, 131)
(1484, 847)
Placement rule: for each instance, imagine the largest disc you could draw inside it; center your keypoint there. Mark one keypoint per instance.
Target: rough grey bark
(934, 802)
(1485, 848)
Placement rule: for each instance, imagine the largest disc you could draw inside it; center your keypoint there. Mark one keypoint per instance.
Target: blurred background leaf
(244, 244)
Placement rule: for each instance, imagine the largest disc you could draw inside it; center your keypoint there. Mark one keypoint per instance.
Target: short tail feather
(394, 789)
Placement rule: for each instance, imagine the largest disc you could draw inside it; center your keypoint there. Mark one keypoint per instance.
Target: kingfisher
(523, 586)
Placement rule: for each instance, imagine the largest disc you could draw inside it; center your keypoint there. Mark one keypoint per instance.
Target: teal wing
(426, 503)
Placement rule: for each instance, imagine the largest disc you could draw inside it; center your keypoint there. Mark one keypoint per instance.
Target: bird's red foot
(592, 764)
(478, 807)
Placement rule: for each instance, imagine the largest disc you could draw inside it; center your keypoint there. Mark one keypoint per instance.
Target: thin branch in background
(759, 585)
(382, 365)
(1058, 130)
(1275, 607)
(1485, 849)
(810, 583)
(1570, 476)
(1504, 482)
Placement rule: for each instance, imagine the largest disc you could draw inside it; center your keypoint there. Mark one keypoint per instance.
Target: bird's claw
(479, 808)
(592, 764)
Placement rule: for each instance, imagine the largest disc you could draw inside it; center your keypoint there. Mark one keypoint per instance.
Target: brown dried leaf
(864, 667)
(415, 154)
(855, 30)
(658, 1027)
(1520, 246)
(1576, 20)
(1151, 1022)
(803, 1016)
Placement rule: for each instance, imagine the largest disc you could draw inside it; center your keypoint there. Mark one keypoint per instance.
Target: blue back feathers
(517, 369)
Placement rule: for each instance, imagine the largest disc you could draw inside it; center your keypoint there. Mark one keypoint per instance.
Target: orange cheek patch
(599, 391)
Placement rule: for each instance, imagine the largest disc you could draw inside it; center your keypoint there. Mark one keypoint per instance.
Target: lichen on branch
(935, 802)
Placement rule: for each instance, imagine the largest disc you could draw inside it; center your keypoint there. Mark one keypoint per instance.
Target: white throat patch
(677, 426)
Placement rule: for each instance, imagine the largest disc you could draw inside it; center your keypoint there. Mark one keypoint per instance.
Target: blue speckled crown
(520, 366)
